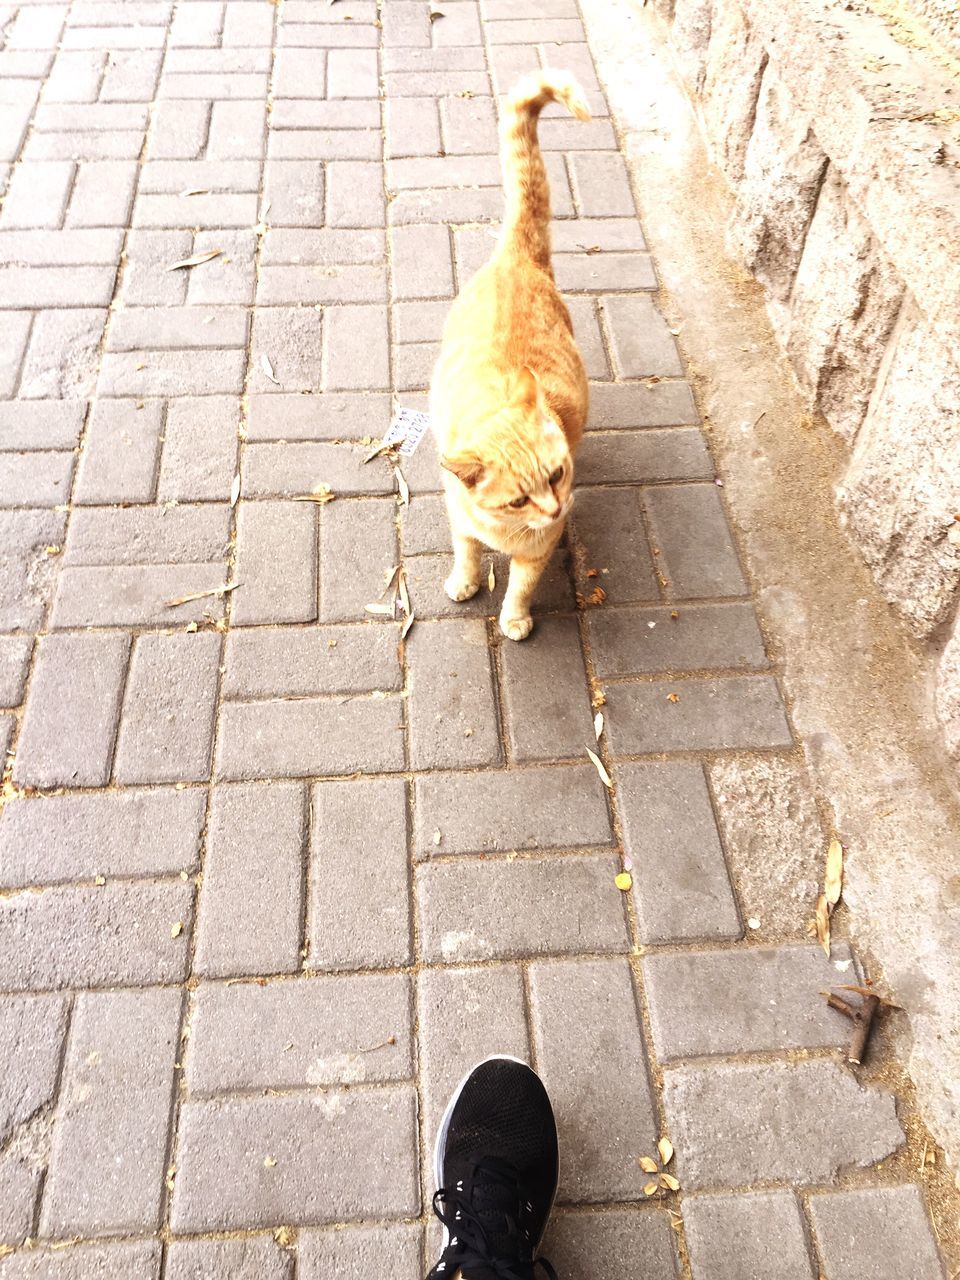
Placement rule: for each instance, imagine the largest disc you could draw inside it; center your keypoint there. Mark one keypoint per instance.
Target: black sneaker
(496, 1164)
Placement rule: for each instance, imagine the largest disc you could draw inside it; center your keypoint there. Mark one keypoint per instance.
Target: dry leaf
(405, 629)
(285, 1237)
(833, 883)
(322, 494)
(597, 596)
(403, 593)
(598, 724)
(649, 1188)
(99, 879)
(624, 882)
(195, 191)
(599, 698)
(176, 929)
(823, 923)
(437, 837)
(195, 259)
(235, 490)
(268, 369)
(868, 991)
(668, 1180)
(604, 776)
(673, 697)
(665, 1147)
(201, 595)
(381, 610)
(491, 579)
(648, 1164)
(402, 486)
(269, 1162)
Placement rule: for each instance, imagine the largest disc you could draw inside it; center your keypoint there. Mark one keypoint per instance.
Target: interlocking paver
(478, 910)
(607, 1245)
(36, 479)
(320, 1173)
(358, 1252)
(199, 457)
(78, 837)
(308, 661)
(875, 1232)
(665, 404)
(14, 658)
(187, 534)
(637, 456)
(110, 1141)
(364, 535)
(26, 569)
(586, 1031)
(137, 595)
(332, 416)
(452, 707)
(358, 910)
(735, 1237)
(276, 563)
(298, 468)
(697, 554)
(798, 1122)
(127, 1261)
(545, 697)
(19, 1185)
(72, 711)
(608, 525)
(254, 1258)
(118, 462)
(288, 1035)
(31, 1048)
(637, 641)
(739, 711)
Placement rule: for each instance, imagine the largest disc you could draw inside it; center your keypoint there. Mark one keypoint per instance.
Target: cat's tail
(526, 219)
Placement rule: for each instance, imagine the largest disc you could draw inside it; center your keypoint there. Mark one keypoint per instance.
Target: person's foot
(496, 1165)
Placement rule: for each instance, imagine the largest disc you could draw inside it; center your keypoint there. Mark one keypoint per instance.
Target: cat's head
(519, 467)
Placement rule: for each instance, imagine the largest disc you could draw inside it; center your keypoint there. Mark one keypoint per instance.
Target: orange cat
(508, 399)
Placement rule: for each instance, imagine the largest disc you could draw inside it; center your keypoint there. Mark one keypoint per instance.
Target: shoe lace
(483, 1215)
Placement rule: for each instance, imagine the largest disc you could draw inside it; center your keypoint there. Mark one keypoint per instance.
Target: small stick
(863, 1021)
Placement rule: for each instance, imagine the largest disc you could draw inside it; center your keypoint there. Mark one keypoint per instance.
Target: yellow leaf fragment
(195, 259)
(285, 1237)
(598, 765)
(823, 923)
(648, 1164)
(408, 623)
(402, 486)
(322, 494)
(235, 490)
(650, 1188)
(176, 929)
(624, 881)
(833, 881)
(598, 724)
(669, 1181)
(665, 1147)
(491, 579)
(673, 697)
(99, 879)
(269, 1162)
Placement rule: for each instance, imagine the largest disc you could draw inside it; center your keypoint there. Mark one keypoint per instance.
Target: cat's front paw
(516, 628)
(459, 588)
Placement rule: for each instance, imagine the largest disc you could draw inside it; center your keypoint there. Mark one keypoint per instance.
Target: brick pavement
(270, 881)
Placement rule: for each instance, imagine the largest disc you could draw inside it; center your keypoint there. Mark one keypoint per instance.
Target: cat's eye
(520, 502)
(556, 476)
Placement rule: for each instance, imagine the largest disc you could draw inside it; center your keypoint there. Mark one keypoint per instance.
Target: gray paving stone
(19, 1187)
(355, 195)
(214, 86)
(136, 595)
(324, 1171)
(489, 1019)
(450, 204)
(32, 1032)
(325, 246)
(51, 287)
(256, 837)
(14, 659)
(110, 1140)
(45, 938)
(231, 278)
(419, 321)
(357, 1252)
(554, 808)
(291, 1035)
(26, 571)
(222, 209)
(72, 711)
(602, 185)
(139, 1260)
(729, 1002)
(166, 728)
(444, 171)
(736, 711)
(452, 711)
(314, 113)
(425, 526)
(469, 126)
(38, 194)
(128, 833)
(546, 703)
(62, 356)
(434, 60)
(309, 285)
(276, 563)
(618, 1244)
(422, 263)
(160, 328)
(489, 910)
(586, 1031)
(589, 338)
(875, 1232)
(148, 535)
(290, 337)
(146, 280)
(641, 343)
(99, 247)
(697, 551)
(119, 458)
(427, 574)
(8, 727)
(246, 24)
(200, 449)
(608, 526)
(289, 469)
(407, 25)
(462, 26)
(676, 453)
(13, 344)
(413, 365)
(51, 424)
(767, 812)
(796, 1122)
(358, 913)
(533, 30)
(252, 1258)
(364, 536)
(171, 373)
(680, 883)
(103, 194)
(238, 130)
(747, 1237)
(310, 738)
(308, 661)
(412, 124)
(178, 130)
(665, 404)
(36, 479)
(295, 189)
(355, 356)
(332, 416)
(594, 273)
(200, 25)
(326, 144)
(637, 641)
(299, 73)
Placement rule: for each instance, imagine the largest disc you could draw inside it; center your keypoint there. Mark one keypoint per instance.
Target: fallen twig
(201, 595)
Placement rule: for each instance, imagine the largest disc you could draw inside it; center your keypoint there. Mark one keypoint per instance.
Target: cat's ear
(527, 391)
(466, 467)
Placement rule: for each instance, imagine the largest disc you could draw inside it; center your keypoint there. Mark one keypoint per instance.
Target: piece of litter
(201, 595)
(673, 697)
(753, 923)
(651, 625)
(235, 490)
(491, 579)
(268, 369)
(176, 929)
(195, 259)
(269, 1162)
(598, 724)
(402, 486)
(623, 880)
(598, 764)
(405, 432)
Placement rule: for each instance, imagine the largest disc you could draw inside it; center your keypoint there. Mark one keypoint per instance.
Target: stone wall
(841, 145)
